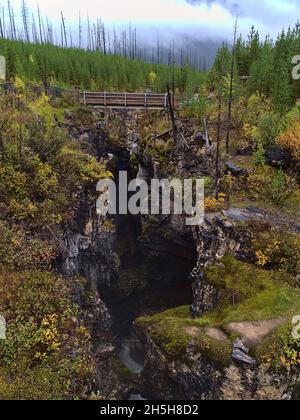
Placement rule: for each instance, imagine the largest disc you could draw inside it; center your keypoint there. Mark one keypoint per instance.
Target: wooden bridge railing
(125, 100)
(105, 99)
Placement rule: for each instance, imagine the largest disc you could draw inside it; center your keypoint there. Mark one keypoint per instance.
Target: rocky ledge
(198, 377)
(185, 360)
(235, 341)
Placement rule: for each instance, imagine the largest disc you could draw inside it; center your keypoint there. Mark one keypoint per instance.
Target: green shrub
(259, 156)
(270, 185)
(280, 349)
(44, 340)
(278, 249)
(21, 250)
(41, 170)
(269, 127)
(258, 294)
(279, 190)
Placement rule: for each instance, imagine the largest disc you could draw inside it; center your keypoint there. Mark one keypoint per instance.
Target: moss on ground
(258, 295)
(248, 294)
(174, 329)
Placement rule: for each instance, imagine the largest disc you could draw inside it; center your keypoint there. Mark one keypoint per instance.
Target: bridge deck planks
(125, 100)
(107, 99)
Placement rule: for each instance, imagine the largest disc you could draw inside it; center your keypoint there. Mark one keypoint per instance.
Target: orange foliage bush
(290, 140)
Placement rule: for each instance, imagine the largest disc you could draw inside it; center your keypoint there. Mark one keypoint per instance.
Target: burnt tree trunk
(172, 114)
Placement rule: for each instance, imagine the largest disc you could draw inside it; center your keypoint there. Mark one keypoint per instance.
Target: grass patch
(247, 294)
(280, 349)
(251, 294)
(270, 304)
(174, 329)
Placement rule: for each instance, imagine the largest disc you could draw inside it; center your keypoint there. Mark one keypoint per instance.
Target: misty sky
(214, 18)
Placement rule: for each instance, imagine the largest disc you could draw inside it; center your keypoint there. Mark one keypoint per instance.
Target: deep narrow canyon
(144, 266)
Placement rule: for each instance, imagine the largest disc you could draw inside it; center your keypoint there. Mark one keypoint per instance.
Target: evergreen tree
(262, 70)
(281, 88)
(88, 69)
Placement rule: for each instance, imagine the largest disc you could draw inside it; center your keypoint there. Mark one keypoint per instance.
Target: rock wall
(137, 265)
(214, 239)
(91, 247)
(90, 253)
(197, 378)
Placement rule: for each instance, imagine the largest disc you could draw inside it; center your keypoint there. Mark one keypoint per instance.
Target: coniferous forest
(91, 70)
(263, 64)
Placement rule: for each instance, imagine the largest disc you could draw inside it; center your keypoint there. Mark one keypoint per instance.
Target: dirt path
(253, 333)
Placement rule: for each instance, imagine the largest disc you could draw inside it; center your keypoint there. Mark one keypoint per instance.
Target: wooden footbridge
(127, 100)
(108, 100)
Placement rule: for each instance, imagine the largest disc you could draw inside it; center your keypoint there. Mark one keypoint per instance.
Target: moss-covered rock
(175, 329)
(247, 293)
(251, 294)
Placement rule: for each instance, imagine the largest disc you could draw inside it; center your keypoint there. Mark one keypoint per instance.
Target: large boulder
(277, 157)
(245, 151)
(235, 170)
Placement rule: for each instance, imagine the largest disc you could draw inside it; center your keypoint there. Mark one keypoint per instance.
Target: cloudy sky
(212, 17)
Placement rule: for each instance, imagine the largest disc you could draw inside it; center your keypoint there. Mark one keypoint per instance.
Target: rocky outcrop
(90, 252)
(221, 233)
(91, 247)
(93, 314)
(197, 375)
(198, 378)
(141, 264)
(214, 239)
(240, 353)
(236, 170)
(278, 157)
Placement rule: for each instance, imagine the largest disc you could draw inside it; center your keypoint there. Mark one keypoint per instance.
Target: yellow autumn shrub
(212, 204)
(278, 249)
(44, 334)
(290, 140)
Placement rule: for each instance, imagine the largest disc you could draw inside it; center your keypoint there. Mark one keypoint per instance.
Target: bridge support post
(172, 114)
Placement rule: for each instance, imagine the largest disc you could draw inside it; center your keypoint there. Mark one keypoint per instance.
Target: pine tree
(281, 88)
(230, 99)
(262, 71)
